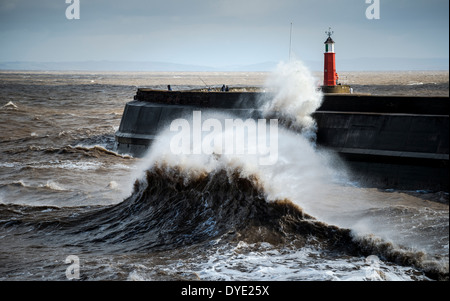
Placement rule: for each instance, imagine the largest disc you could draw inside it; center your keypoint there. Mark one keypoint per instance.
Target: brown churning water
(64, 191)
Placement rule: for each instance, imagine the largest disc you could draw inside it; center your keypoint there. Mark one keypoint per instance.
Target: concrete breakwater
(387, 141)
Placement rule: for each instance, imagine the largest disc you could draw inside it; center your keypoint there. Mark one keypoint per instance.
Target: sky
(223, 33)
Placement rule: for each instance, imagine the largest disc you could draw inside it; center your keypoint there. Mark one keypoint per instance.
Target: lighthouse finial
(329, 32)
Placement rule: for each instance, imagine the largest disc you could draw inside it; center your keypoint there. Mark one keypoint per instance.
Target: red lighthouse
(329, 71)
(330, 77)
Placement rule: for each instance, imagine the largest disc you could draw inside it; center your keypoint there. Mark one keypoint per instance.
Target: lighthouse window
(326, 47)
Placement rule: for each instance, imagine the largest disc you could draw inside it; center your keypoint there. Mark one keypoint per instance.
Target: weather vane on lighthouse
(329, 32)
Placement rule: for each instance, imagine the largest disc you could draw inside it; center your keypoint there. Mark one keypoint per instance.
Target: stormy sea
(73, 208)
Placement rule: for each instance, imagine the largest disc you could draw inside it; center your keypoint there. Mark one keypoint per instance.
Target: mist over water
(296, 96)
(64, 190)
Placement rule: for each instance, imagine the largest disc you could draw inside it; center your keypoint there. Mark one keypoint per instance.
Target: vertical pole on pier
(290, 43)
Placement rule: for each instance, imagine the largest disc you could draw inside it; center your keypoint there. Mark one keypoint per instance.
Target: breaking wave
(10, 105)
(296, 97)
(95, 151)
(169, 209)
(51, 185)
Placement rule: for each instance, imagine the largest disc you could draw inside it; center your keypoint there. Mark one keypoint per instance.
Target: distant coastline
(357, 64)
